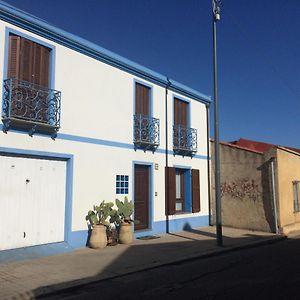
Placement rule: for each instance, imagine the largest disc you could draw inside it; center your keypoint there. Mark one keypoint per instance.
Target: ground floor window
(179, 206)
(182, 190)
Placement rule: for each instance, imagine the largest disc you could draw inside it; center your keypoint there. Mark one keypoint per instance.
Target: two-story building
(81, 124)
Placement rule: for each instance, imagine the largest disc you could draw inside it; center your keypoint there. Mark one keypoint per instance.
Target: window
(296, 196)
(179, 190)
(146, 128)
(142, 99)
(28, 61)
(184, 137)
(122, 184)
(182, 190)
(28, 101)
(180, 113)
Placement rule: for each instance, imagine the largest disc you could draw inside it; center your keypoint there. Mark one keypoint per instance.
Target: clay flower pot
(98, 237)
(126, 233)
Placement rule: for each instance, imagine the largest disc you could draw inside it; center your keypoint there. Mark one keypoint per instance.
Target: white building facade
(80, 125)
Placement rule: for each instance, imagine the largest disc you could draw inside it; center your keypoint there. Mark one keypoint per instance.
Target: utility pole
(216, 18)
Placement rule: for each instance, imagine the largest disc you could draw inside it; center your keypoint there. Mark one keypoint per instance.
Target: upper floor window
(28, 102)
(180, 113)
(28, 61)
(184, 137)
(142, 99)
(296, 196)
(146, 128)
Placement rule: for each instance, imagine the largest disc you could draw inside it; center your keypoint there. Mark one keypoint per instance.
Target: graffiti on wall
(240, 189)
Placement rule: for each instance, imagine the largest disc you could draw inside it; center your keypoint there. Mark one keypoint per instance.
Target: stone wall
(245, 189)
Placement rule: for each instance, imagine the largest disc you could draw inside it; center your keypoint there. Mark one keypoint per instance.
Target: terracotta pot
(98, 237)
(126, 234)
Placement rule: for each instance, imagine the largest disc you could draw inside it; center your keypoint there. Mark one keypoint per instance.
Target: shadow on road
(116, 261)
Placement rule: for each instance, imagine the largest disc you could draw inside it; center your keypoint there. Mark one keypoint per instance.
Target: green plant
(125, 210)
(99, 215)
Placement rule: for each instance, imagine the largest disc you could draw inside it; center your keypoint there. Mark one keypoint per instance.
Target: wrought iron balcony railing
(146, 132)
(30, 106)
(184, 140)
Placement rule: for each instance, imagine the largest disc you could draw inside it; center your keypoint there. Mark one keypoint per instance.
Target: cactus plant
(125, 210)
(99, 215)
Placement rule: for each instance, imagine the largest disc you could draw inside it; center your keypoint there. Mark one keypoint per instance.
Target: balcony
(184, 140)
(146, 132)
(30, 107)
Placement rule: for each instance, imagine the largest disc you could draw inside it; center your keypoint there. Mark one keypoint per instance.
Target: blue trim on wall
(12, 255)
(94, 141)
(69, 177)
(69, 197)
(35, 25)
(26, 36)
(78, 239)
(188, 190)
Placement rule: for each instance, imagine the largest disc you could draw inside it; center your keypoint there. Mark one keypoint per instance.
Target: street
(265, 272)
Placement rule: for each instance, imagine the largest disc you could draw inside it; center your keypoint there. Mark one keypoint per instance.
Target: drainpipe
(208, 164)
(167, 158)
(274, 194)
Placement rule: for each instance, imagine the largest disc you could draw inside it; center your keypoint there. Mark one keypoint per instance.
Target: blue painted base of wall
(8, 256)
(78, 239)
(176, 225)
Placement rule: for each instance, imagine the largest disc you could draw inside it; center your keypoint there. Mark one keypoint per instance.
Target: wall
(245, 189)
(97, 130)
(288, 165)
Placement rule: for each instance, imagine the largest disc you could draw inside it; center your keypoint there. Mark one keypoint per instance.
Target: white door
(32, 201)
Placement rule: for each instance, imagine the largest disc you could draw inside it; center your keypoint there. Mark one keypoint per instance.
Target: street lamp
(216, 18)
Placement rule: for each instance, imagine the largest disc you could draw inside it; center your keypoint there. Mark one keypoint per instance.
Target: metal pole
(216, 18)
(274, 194)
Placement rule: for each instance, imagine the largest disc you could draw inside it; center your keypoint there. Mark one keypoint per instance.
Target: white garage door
(32, 201)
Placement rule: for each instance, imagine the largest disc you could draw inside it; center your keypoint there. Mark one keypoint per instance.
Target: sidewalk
(36, 277)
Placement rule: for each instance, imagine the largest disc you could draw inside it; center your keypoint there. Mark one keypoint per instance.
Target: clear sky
(258, 52)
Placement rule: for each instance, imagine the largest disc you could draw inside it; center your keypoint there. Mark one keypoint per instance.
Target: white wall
(98, 102)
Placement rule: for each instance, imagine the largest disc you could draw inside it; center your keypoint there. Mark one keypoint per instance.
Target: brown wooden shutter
(37, 56)
(26, 60)
(183, 113)
(170, 181)
(45, 67)
(180, 112)
(195, 191)
(13, 57)
(142, 101)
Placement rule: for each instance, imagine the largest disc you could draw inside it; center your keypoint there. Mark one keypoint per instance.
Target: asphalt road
(265, 272)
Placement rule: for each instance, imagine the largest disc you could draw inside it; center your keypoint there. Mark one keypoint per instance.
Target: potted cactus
(98, 221)
(123, 217)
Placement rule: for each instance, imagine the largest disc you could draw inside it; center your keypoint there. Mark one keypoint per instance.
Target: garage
(32, 201)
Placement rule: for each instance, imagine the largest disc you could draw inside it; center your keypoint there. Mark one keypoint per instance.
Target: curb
(80, 284)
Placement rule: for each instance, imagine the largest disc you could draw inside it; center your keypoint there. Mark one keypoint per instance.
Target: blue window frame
(122, 184)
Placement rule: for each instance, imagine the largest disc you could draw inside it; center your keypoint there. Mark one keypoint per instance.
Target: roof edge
(238, 147)
(40, 27)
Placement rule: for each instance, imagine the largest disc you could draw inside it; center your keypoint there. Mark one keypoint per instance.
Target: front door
(141, 197)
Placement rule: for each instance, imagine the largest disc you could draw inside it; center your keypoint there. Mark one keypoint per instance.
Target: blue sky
(258, 52)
